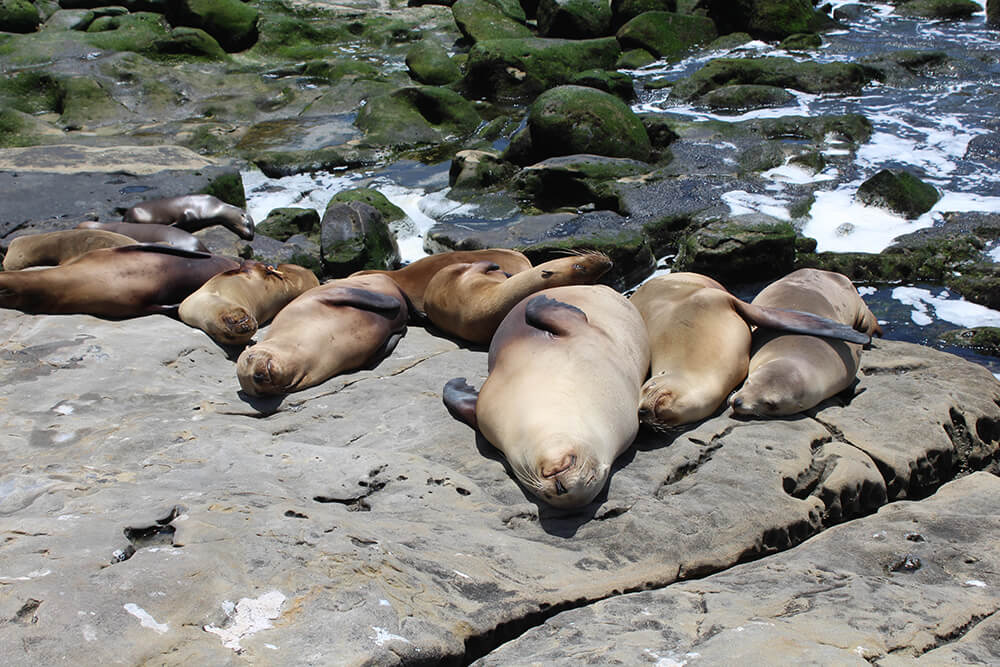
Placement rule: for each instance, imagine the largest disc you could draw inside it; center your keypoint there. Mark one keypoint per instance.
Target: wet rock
(480, 20)
(301, 249)
(618, 84)
(665, 34)
(984, 340)
(635, 59)
(416, 115)
(353, 237)
(808, 77)
(625, 10)
(939, 9)
(801, 42)
(18, 16)
(429, 64)
(574, 19)
(282, 223)
(389, 211)
(767, 19)
(231, 22)
(576, 181)
(899, 191)
(993, 12)
(984, 147)
(738, 98)
(189, 41)
(739, 249)
(475, 169)
(907, 68)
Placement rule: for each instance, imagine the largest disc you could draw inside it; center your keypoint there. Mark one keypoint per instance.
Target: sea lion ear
(460, 399)
(363, 299)
(556, 317)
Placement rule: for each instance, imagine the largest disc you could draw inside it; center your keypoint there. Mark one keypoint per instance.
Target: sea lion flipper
(554, 316)
(460, 399)
(797, 321)
(164, 249)
(363, 299)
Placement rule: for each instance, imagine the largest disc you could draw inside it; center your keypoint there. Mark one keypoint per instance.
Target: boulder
(480, 20)
(622, 11)
(479, 170)
(389, 211)
(939, 9)
(619, 84)
(743, 97)
(801, 42)
(283, 223)
(666, 34)
(993, 12)
(984, 340)
(577, 181)
(296, 249)
(429, 64)
(231, 22)
(353, 237)
(766, 19)
(416, 115)
(809, 77)
(740, 249)
(18, 16)
(899, 191)
(190, 42)
(574, 19)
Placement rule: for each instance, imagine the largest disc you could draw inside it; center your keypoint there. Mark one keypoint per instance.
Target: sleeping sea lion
(231, 305)
(339, 326)
(790, 373)
(470, 300)
(54, 248)
(191, 213)
(168, 234)
(565, 367)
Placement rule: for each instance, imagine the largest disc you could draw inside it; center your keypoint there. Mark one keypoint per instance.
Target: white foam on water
(841, 224)
(312, 190)
(994, 253)
(927, 307)
(741, 202)
(798, 175)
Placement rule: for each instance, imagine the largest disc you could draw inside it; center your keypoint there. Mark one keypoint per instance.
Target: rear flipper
(460, 399)
(797, 321)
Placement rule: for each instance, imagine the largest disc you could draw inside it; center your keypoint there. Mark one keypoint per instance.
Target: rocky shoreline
(151, 513)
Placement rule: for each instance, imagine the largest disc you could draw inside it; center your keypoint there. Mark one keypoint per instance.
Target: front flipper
(383, 304)
(797, 321)
(554, 316)
(460, 399)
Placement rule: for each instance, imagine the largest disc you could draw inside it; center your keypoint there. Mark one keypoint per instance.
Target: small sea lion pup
(565, 367)
(790, 373)
(413, 277)
(699, 337)
(339, 326)
(127, 281)
(191, 213)
(470, 300)
(167, 234)
(54, 248)
(231, 305)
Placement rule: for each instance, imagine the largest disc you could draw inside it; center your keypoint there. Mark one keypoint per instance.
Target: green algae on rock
(480, 20)
(809, 77)
(18, 16)
(416, 115)
(767, 19)
(743, 97)
(740, 249)
(283, 223)
(429, 64)
(389, 211)
(574, 19)
(354, 237)
(899, 191)
(666, 34)
(939, 9)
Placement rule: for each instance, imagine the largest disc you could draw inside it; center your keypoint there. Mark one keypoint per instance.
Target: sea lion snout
(552, 467)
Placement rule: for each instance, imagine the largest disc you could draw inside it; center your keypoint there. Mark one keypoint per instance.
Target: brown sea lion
(54, 248)
(565, 367)
(168, 234)
(127, 281)
(231, 305)
(337, 327)
(699, 336)
(413, 277)
(470, 300)
(191, 213)
(790, 373)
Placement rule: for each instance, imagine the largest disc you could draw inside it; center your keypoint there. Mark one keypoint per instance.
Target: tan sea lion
(127, 281)
(790, 373)
(54, 248)
(470, 300)
(565, 367)
(191, 213)
(337, 327)
(699, 336)
(168, 234)
(413, 277)
(231, 305)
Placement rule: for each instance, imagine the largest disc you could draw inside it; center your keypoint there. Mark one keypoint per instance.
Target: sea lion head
(665, 403)
(262, 372)
(242, 223)
(233, 326)
(564, 473)
(582, 267)
(775, 389)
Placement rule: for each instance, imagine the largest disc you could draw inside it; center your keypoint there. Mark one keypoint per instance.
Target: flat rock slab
(150, 513)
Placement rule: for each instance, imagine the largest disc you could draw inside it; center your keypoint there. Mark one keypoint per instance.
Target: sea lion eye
(578, 267)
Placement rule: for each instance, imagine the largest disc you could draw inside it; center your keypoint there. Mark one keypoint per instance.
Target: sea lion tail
(460, 399)
(797, 321)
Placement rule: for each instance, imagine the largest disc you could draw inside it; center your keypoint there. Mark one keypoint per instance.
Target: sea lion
(790, 373)
(470, 300)
(339, 326)
(126, 281)
(54, 248)
(168, 234)
(191, 213)
(413, 277)
(699, 336)
(565, 367)
(232, 304)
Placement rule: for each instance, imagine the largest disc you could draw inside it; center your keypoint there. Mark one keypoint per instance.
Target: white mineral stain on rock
(382, 636)
(34, 574)
(145, 619)
(248, 617)
(89, 633)
(976, 582)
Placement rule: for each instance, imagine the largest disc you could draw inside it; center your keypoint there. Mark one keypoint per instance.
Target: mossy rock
(128, 32)
(518, 70)
(743, 249)
(567, 120)
(666, 34)
(479, 170)
(297, 249)
(766, 19)
(853, 128)
(18, 16)
(85, 103)
(299, 38)
(229, 188)
(809, 77)
(574, 19)
(283, 223)
(618, 84)
(984, 340)
(899, 191)
(993, 12)
(801, 42)
(31, 92)
(189, 42)
(18, 129)
(622, 11)
(634, 59)
(276, 164)
(666, 233)
(576, 181)
(429, 64)
(743, 97)
(480, 20)
(628, 249)
(939, 9)
(389, 211)
(416, 115)
(354, 237)
(231, 22)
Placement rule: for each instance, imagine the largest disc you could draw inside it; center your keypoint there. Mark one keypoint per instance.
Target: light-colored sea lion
(699, 336)
(126, 281)
(413, 277)
(191, 213)
(470, 300)
(231, 305)
(565, 367)
(339, 326)
(54, 248)
(790, 373)
(168, 234)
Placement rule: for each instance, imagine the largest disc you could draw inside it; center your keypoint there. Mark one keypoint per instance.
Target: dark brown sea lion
(54, 248)
(191, 213)
(565, 367)
(232, 304)
(340, 326)
(168, 234)
(127, 281)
